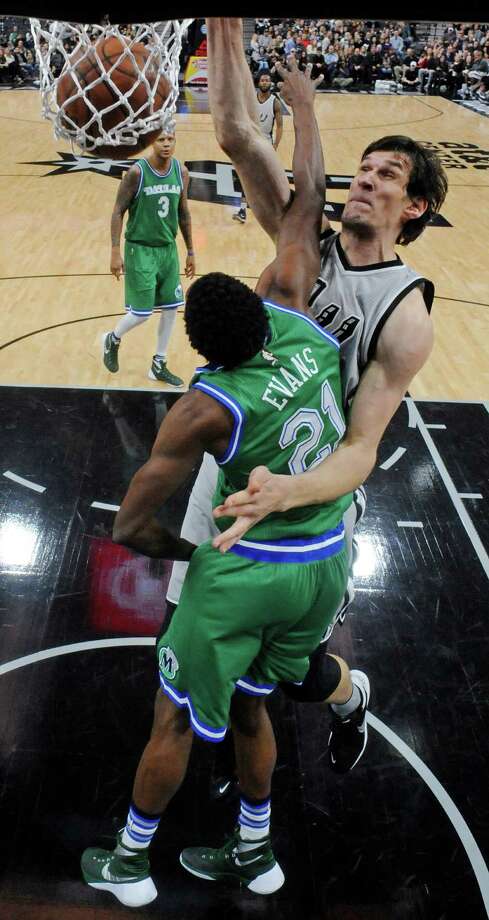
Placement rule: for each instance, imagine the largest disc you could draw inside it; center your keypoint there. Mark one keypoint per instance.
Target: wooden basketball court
(58, 295)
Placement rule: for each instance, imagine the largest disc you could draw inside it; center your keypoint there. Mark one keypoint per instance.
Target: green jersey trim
(311, 322)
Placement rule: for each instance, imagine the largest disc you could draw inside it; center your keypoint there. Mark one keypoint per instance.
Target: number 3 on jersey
(311, 420)
(164, 206)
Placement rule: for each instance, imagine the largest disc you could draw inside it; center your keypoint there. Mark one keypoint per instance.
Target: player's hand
(116, 264)
(266, 492)
(190, 266)
(297, 86)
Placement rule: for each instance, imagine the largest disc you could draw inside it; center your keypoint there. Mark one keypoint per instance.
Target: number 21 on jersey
(312, 421)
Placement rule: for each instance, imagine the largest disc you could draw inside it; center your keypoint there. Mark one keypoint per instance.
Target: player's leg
(125, 871)
(232, 101)
(139, 293)
(168, 297)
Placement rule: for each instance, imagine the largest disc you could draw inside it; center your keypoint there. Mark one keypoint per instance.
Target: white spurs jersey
(354, 303)
(266, 116)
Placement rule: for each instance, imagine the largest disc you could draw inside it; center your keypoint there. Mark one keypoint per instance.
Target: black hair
(427, 180)
(225, 320)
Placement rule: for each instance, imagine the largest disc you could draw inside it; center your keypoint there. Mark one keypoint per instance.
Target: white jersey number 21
(311, 420)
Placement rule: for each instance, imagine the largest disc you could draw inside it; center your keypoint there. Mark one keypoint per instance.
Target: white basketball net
(163, 41)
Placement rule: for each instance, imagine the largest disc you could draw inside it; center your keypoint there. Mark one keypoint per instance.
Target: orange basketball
(126, 77)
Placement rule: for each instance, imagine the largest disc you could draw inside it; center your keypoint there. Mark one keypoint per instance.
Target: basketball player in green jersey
(251, 617)
(154, 191)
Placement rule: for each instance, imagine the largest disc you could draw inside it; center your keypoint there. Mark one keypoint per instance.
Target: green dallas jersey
(153, 213)
(287, 408)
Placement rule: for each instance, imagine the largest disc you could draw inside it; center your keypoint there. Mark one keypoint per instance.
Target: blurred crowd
(357, 54)
(351, 54)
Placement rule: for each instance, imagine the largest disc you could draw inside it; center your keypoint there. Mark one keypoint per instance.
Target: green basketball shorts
(152, 278)
(245, 625)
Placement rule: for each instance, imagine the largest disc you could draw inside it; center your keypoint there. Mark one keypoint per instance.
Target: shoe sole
(152, 376)
(102, 341)
(135, 894)
(267, 883)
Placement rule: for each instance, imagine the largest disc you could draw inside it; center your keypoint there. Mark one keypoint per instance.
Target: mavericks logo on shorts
(178, 292)
(168, 663)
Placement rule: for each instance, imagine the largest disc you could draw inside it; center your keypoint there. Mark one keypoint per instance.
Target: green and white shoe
(126, 877)
(159, 371)
(110, 352)
(256, 869)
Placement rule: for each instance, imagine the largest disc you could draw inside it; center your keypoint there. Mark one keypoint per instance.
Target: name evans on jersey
(286, 383)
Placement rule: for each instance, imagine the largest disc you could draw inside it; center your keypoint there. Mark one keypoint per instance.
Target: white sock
(254, 823)
(138, 832)
(128, 322)
(165, 329)
(345, 709)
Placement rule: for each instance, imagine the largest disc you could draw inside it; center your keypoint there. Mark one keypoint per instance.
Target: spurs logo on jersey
(354, 303)
(266, 116)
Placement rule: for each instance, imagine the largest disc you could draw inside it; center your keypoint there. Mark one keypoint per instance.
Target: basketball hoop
(139, 105)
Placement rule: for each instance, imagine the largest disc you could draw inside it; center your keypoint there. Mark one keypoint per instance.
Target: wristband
(190, 252)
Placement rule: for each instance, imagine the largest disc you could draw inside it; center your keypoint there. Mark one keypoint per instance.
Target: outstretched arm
(232, 100)
(289, 278)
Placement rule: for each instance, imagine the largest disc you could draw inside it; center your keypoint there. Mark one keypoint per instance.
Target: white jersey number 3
(165, 206)
(311, 420)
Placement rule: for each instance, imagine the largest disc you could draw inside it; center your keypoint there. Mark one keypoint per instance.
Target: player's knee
(323, 678)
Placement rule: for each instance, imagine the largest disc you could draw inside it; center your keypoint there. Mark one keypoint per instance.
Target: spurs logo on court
(211, 181)
(168, 662)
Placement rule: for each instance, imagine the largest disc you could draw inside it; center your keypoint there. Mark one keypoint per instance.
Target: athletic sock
(139, 830)
(165, 329)
(345, 709)
(254, 822)
(115, 338)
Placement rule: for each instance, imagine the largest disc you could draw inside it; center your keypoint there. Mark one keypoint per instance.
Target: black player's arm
(127, 191)
(279, 122)
(195, 423)
(291, 275)
(184, 219)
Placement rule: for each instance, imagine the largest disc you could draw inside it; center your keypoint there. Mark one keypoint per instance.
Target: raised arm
(195, 423)
(290, 277)
(127, 192)
(233, 106)
(403, 347)
(185, 224)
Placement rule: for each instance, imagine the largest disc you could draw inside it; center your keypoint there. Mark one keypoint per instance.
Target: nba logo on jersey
(168, 663)
(178, 292)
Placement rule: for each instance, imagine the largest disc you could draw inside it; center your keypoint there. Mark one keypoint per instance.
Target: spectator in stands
(410, 78)
(397, 42)
(9, 67)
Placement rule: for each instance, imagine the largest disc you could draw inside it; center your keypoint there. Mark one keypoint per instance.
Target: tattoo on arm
(125, 195)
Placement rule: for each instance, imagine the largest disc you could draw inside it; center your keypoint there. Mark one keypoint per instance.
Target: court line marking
(24, 482)
(450, 487)
(445, 801)
(386, 465)
(410, 524)
(102, 389)
(470, 495)
(486, 405)
(107, 507)
(465, 835)
(438, 427)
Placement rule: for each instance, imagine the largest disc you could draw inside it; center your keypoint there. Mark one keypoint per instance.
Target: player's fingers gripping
(225, 540)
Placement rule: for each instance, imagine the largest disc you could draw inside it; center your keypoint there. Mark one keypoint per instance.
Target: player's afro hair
(225, 320)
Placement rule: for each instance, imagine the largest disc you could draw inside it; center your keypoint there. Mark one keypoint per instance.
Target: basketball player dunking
(154, 191)
(270, 116)
(365, 295)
